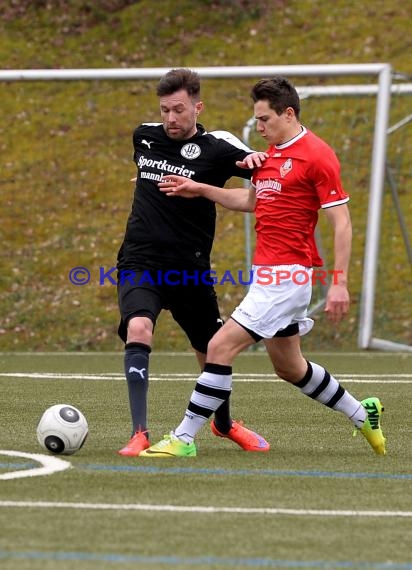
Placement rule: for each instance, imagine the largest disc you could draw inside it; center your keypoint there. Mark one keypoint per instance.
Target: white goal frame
(383, 86)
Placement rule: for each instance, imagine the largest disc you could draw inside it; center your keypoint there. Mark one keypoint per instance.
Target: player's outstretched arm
(240, 199)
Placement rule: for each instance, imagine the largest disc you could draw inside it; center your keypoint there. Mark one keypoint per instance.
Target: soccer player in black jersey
(165, 254)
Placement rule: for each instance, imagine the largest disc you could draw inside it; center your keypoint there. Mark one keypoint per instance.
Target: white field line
(254, 353)
(202, 509)
(49, 465)
(174, 376)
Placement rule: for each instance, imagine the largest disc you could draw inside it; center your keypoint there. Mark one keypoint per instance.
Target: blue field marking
(201, 560)
(243, 472)
(7, 465)
(224, 472)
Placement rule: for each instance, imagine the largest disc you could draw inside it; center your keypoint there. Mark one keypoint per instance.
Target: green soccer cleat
(170, 446)
(371, 429)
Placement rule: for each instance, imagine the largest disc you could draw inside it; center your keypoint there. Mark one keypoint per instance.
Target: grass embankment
(66, 150)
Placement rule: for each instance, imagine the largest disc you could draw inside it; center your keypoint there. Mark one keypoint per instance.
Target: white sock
(189, 426)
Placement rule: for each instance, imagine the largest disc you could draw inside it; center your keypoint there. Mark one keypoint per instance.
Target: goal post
(381, 88)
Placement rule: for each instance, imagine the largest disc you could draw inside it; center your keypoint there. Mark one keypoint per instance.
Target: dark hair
(279, 93)
(178, 79)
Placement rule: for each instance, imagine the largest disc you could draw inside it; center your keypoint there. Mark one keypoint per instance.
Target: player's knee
(140, 329)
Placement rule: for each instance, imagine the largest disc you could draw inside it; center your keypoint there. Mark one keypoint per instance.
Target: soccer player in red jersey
(300, 176)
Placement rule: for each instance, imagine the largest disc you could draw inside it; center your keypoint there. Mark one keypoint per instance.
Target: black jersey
(175, 232)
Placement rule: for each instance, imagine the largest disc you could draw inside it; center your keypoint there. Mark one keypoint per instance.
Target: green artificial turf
(314, 465)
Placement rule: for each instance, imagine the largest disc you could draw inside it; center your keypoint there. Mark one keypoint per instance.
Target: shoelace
(167, 438)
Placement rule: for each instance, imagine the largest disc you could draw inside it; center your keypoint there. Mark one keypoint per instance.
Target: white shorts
(278, 297)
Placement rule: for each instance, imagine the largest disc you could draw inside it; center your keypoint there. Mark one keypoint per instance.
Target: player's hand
(337, 303)
(253, 160)
(173, 185)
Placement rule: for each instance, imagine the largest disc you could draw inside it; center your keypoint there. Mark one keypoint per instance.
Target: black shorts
(193, 307)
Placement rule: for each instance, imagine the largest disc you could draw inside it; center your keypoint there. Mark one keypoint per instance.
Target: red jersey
(299, 177)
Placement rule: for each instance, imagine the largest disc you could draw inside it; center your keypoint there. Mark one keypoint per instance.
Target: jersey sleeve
(327, 179)
(231, 139)
(232, 149)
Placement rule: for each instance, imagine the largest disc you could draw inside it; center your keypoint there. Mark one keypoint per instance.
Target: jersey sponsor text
(164, 166)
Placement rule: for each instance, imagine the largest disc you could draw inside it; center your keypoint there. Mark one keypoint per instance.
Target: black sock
(223, 420)
(136, 365)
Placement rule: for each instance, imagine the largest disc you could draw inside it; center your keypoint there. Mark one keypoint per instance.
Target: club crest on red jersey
(286, 168)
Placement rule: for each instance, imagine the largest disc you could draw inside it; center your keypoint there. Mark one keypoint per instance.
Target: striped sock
(213, 387)
(319, 385)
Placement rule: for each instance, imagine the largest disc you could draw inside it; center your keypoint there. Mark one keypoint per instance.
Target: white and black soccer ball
(62, 429)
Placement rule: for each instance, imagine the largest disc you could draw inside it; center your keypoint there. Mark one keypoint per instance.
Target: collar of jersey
(293, 140)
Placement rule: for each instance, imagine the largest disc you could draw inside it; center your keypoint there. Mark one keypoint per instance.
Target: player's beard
(179, 133)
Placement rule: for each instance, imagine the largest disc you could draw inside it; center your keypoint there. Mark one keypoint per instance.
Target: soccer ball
(62, 429)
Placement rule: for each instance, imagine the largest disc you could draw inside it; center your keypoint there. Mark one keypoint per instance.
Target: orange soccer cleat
(245, 438)
(136, 444)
